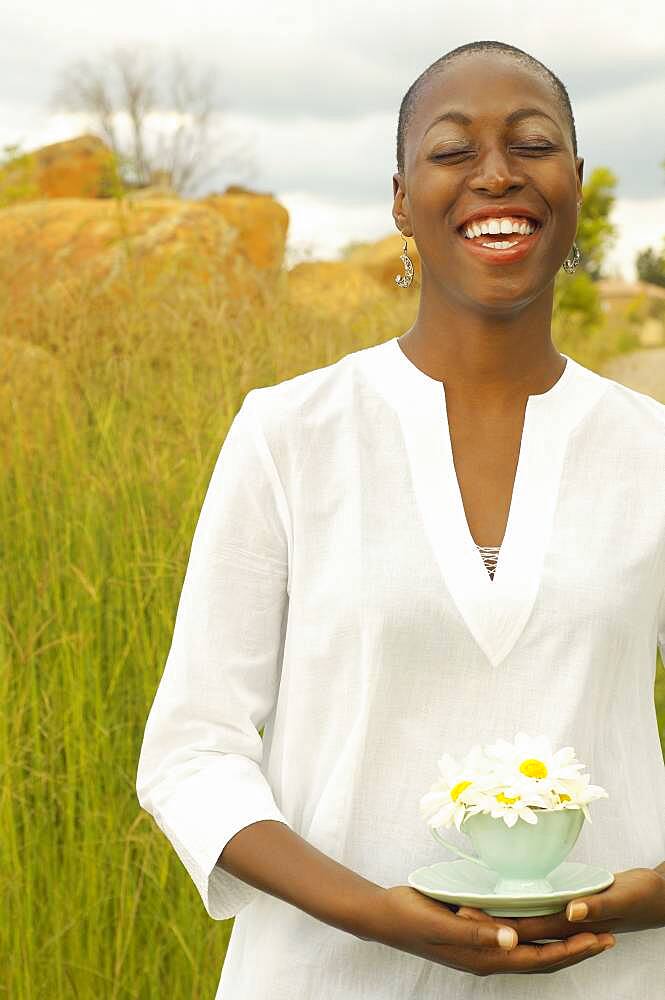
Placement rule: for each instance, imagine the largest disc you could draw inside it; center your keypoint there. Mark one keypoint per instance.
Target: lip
(523, 246)
(497, 211)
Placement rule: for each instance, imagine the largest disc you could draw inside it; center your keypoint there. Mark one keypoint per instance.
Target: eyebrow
(514, 116)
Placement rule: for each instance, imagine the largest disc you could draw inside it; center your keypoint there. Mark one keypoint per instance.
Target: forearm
(274, 858)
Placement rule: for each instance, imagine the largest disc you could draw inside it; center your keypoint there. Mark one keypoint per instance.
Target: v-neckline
(495, 610)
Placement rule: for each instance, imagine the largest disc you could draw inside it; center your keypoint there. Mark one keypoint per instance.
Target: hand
(634, 902)
(410, 921)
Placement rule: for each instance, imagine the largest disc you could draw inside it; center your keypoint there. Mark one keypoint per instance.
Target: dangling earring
(569, 263)
(404, 280)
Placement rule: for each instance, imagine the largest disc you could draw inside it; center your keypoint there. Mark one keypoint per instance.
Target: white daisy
(508, 781)
(448, 797)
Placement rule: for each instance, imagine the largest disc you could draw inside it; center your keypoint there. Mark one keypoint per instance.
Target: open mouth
(498, 248)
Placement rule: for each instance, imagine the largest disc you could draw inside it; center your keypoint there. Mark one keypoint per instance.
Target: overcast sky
(310, 91)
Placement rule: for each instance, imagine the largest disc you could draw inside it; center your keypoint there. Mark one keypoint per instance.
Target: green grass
(100, 494)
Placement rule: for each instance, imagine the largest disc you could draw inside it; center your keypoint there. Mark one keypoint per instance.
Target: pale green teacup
(523, 855)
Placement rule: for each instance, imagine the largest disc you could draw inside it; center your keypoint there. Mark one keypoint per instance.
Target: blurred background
(196, 200)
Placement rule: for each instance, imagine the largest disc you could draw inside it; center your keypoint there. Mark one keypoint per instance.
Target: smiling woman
(494, 138)
(337, 599)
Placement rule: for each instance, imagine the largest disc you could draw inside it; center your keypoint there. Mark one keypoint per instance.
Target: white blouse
(335, 596)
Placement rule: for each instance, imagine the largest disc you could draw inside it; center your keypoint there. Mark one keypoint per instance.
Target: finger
(577, 909)
(466, 932)
(526, 958)
(592, 952)
(606, 903)
(593, 911)
(528, 929)
(470, 912)
(543, 926)
(556, 954)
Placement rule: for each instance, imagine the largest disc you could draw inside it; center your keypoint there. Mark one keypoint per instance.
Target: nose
(496, 172)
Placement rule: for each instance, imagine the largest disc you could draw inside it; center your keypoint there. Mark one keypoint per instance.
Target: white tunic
(335, 595)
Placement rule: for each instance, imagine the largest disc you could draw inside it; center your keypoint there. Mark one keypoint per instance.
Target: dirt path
(643, 370)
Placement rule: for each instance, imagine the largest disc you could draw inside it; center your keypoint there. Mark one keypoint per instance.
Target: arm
(275, 859)
(200, 771)
(661, 645)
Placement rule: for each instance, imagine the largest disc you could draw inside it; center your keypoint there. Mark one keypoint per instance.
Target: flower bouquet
(521, 804)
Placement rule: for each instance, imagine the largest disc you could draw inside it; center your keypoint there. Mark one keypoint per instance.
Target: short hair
(410, 99)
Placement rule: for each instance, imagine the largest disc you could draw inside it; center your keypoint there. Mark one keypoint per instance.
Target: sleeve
(661, 628)
(199, 769)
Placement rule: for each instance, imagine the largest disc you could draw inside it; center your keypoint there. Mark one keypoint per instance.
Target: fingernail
(577, 911)
(506, 937)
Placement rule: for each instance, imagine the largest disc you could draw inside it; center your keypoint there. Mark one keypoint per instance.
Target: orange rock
(76, 168)
(260, 222)
(65, 244)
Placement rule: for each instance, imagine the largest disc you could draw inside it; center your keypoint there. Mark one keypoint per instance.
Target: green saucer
(467, 884)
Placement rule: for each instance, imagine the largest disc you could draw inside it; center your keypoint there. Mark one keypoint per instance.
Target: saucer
(467, 884)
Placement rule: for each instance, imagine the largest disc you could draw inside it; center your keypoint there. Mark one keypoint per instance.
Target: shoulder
(641, 412)
(310, 398)
(641, 416)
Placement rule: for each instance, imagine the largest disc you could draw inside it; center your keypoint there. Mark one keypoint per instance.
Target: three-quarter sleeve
(200, 766)
(661, 628)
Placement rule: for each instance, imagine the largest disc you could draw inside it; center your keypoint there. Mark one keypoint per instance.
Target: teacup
(524, 854)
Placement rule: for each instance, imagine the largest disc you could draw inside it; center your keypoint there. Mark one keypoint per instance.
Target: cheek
(431, 204)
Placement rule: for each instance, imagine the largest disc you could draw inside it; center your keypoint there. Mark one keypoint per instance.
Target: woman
(336, 594)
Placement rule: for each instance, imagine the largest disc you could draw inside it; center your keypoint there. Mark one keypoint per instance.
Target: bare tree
(130, 83)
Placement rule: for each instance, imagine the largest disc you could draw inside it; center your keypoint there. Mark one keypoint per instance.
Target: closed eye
(527, 149)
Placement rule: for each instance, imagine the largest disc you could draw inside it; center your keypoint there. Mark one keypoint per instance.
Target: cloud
(314, 89)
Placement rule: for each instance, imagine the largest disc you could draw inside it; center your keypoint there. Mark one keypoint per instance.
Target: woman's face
(453, 169)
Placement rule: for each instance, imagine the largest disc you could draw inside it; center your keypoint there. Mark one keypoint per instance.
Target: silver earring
(570, 263)
(404, 280)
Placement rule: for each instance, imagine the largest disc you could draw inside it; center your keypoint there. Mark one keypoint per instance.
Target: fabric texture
(334, 596)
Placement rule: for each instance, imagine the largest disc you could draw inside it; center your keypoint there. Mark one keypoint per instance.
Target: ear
(400, 209)
(580, 176)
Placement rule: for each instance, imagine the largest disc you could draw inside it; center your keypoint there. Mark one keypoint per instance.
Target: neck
(483, 351)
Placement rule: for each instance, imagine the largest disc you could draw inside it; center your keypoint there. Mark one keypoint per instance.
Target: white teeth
(502, 245)
(496, 226)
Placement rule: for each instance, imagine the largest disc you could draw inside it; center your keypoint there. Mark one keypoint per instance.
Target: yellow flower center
(458, 789)
(563, 797)
(533, 768)
(502, 798)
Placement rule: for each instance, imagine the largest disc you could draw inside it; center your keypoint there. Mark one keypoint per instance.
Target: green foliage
(595, 232)
(659, 698)
(111, 184)
(650, 266)
(17, 176)
(577, 316)
(576, 296)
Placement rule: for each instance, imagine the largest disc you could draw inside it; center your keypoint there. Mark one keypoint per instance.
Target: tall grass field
(109, 443)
